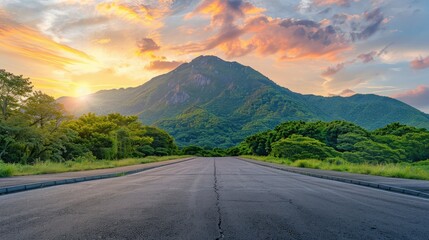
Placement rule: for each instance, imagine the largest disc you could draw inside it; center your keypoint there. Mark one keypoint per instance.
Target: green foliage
(6, 170)
(298, 147)
(13, 89)
(80, 164)
(146, 150)
(419, 170)
(378, 152)
(321, 140)
(193, 150)
(203, 152)
(43, 110)
(398, 129)
(115, 136)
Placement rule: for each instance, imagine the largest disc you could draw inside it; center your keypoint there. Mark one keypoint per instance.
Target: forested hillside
(215, 103)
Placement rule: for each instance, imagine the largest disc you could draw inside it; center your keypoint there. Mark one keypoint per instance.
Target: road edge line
(340, 179)
(38, 185)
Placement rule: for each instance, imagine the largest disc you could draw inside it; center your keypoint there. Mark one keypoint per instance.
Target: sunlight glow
(82, 90)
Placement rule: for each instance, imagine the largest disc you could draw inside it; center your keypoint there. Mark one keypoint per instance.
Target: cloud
(367, 57)
(136, 12)
(242, 29)
(371, 24)
(420, 63)
(344, 93)
(83, 23)
(225, 12)
(163, 65)
(342, 3)
(363, 58)
(347, 93)
(333, 70)
(147, 45)
(103, 41)
(417, 97)
(371, 56)
(28, 43)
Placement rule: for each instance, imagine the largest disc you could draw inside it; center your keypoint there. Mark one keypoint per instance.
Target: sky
(322, 47)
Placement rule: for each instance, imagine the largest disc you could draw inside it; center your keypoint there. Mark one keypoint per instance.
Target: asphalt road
(213, 198)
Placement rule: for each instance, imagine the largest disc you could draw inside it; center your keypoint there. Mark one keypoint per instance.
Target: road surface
(213, 198)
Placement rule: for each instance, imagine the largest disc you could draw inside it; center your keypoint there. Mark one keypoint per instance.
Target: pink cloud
(163, 65)
(418, 97)
(342, 3)
(147, 45)
(242, 29)
(364, 58)
(333, 70)
(345, 93)
(420, 63)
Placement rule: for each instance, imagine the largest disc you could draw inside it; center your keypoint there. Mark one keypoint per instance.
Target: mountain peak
(205, 58)
(214, 61)
(215, 74)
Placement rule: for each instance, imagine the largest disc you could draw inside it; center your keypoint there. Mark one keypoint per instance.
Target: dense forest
(34, 127)
(339, 140)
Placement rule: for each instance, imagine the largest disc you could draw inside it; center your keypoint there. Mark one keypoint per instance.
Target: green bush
(336, 160)
(161, 151)
(146, 150)
(307, 164)
(6, 170)
(300, 147)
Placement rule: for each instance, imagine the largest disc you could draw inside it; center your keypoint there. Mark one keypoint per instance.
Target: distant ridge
(212, 102)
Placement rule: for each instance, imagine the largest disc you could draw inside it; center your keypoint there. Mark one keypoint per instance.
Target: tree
(43, 109)
(116, 136)
(193, 150)
(13, 89)
(346, 142)
(378, 152)
(299, 147)
(161, 139)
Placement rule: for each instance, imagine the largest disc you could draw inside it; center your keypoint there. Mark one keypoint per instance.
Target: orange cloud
(292, 39)
(147, 45)
(224, 12)
(288, 39)
(103, 41)
(243, 29)
(163, 65)
(138, 13)
(29, 43)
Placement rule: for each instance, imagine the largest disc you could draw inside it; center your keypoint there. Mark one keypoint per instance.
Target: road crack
(219, 213)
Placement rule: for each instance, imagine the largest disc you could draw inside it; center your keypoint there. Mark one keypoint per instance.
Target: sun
(82, 90)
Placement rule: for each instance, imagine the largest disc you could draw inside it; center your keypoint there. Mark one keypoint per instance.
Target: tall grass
(418, 170)
(8, 169)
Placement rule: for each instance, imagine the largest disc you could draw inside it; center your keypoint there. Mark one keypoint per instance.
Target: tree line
(339, 139)
(35, 127)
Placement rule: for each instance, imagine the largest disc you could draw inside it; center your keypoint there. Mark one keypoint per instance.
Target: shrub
(6, 170)
(299, 147)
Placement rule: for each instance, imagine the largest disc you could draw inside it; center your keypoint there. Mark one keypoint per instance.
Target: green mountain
(211, 102)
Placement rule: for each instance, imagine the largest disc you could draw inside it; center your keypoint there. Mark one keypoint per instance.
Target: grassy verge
(418, 170)
(7, 169)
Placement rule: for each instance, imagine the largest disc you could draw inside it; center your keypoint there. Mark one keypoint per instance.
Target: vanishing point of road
(213, 198)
